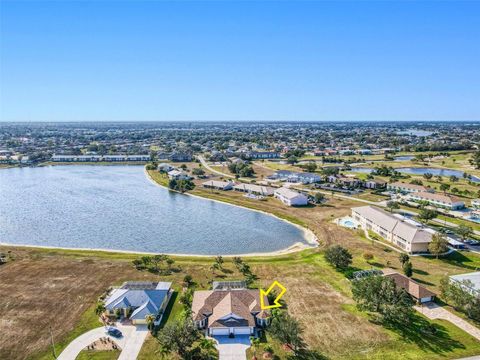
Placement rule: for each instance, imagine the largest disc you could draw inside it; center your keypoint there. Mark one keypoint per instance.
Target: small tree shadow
(431, 336)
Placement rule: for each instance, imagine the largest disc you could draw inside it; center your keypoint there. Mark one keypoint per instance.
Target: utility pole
(53, 344)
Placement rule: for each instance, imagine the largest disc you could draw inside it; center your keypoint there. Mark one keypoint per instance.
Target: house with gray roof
(135, 300)
(405, 235)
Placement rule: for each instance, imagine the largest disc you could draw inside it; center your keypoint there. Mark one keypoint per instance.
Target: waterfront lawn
(317, 295)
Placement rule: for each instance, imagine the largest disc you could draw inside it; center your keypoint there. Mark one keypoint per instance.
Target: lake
(421, 171)
(118, 208)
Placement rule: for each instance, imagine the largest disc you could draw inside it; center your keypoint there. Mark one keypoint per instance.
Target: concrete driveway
(434, 311)
(130, 342)
(232, 348)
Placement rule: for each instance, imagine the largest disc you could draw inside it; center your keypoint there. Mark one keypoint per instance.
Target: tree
(428, 176)
(188, 281)
(198, 171)
(338, 257)
(255, 342)
(319, 197)
(464, 231)
(368, 256)
(453, 178)
(179, 337)
(292, 160)
(393, 205)
(408, 269)
(438, 245)
(150, 321)
(475, 160)
(287, 330)
(219, 260)
(457, 293)
(156, 260)
(444, 188)
(403, 258)
(380, 295)
(310, 166)
(426, 215)
(100, 308)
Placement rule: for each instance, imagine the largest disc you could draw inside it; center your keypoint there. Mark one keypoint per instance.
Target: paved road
(209, 168)
(232, 349)
(434, 311)
(130, 343)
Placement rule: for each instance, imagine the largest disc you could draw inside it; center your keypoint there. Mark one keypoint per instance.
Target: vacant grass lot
(69, 282)
(60, 288)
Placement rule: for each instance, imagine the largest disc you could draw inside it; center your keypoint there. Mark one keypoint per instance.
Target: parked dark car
(114, 332)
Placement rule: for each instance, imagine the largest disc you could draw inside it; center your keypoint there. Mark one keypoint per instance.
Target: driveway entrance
(232, 348)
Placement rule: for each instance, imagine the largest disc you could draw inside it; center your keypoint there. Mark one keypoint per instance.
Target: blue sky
(226, 60)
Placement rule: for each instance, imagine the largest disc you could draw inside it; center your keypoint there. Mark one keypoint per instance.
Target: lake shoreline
(297, 247)
(309, 235)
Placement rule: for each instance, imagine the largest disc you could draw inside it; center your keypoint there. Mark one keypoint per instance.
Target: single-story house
(254, 189)
(235, 311)
(178, 175)
(135, 300)
(290, 197)
(165, 167)
(219, 185)
(420, 293)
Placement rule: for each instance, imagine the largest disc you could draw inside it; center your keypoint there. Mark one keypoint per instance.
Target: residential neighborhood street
(130, 343)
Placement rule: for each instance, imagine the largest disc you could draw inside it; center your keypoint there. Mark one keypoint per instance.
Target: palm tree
(99, 309)
(255, 343)
(150, 319)
(207, 344)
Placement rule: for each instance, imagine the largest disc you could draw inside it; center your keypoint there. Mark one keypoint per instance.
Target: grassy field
(68, 283)
(320, 293)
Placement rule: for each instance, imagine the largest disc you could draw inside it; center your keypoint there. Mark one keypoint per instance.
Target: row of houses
(393, 228)
(228, 309)
(98, 158)
(311, 178)
(419, 193)
(287, 196)
(295, 177)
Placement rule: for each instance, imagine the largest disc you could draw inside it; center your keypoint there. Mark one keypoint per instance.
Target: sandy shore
(294, 248)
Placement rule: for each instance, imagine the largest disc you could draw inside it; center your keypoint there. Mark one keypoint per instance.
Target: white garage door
(219, 331)
(241, 331)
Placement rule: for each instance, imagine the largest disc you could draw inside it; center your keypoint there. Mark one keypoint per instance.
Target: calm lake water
(421, 171)
(117, 207)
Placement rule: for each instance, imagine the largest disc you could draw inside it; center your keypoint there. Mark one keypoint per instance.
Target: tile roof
(411, 286)
(227, 308)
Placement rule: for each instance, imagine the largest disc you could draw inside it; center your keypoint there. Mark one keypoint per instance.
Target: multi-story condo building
(438, 200)
(407, 188)
(410, 238)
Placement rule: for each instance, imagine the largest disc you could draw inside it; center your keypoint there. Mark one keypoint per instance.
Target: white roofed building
(437, 200)
(405, 235)
(290, 197)
(219, 185)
